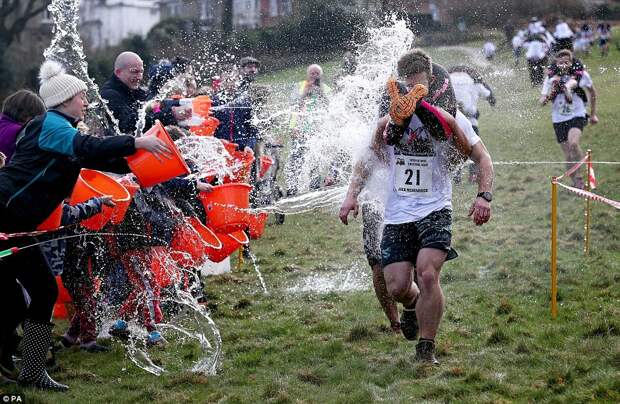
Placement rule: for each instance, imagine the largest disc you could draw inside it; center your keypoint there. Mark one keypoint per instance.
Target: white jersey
(562, 111)
(467, 93)
(536, 50)
(562, 31)
(421, 182)
(517, 42)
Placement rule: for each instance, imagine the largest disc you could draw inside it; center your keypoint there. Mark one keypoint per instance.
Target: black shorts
(372, 222)
(402, 242)
(562, 128)
(602, 42)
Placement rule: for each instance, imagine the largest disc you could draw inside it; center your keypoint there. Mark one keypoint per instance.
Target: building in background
(107, 22)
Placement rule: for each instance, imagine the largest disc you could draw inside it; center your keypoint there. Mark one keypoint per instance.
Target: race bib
(413, 176)
(565, 108)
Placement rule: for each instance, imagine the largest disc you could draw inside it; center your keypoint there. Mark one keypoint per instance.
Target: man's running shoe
(120, 329)
(409, 324)
(155, 339)
(425, 351)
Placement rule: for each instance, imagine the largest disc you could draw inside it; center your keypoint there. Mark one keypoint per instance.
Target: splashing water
(339, 280)
(258, 273)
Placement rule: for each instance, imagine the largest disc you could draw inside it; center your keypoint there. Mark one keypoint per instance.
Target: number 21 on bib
(413, 176)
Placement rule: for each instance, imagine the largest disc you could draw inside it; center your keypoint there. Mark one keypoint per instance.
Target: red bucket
(60, 308)
(206, 128)
(226, 206)
(163, 268)
(229, 146)
(265, 163)
(91, 184)
(149, 170)
(121, 207)
(53, 220)
(230, 243)
(209, 238)
(187, 245)
(256, 226)
(242, 164)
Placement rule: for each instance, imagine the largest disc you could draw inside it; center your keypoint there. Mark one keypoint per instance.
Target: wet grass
(497, 342)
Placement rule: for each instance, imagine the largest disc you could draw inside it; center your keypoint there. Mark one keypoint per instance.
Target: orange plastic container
(187, 245)
(229, 146)
(60, 308)
(209, 238)
(206, 128)
(265, 163)
(93, 183)
(164, 271)
(256, 225)
(53, 220)
(149, 170)
(226, 207)
(230, 243)
(242, 163)
(201, 105)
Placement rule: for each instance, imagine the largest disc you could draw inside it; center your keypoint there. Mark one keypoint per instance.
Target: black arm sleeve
(88, 147)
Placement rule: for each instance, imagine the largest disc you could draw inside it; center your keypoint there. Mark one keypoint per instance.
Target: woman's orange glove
(402, 107)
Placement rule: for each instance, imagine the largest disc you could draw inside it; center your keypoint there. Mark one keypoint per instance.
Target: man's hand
(481, 211)
(349, 204)
(403, 106)
(593, 119)
(182, 113)
(204, 187)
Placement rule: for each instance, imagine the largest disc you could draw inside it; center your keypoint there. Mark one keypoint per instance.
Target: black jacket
(123, 102)
(47, 161)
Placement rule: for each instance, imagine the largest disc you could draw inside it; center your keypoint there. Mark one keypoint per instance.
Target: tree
(14, 16)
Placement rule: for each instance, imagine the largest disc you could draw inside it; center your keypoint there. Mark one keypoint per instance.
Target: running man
(418, 143)
(568, 114)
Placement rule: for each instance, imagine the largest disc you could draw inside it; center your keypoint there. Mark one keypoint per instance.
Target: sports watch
(487, 196)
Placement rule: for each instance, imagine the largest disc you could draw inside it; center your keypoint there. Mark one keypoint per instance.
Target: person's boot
(36, 343)
(425, 351)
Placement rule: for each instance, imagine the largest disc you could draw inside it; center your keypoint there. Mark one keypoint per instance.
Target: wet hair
(413, 62)
(23, 105)
(564, 52)
(249, 60)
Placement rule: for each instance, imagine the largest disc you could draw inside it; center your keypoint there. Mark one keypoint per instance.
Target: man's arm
(592, 99)
(481, 208)
(361, 172)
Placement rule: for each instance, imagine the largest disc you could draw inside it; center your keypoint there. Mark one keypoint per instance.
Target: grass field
(497, 342)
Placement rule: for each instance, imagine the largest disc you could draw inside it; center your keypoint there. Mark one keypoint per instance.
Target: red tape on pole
(574, 168)
(591, 196)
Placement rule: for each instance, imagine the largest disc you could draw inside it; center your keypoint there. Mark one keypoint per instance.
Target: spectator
(18, 109)
(123, 92)
(536, 56)
(310, 100)
(235, 106)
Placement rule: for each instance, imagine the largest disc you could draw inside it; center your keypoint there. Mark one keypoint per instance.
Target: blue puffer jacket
(47, 161)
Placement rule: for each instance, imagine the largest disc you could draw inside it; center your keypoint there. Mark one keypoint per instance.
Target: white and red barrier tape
(573, 169)
(590, 195)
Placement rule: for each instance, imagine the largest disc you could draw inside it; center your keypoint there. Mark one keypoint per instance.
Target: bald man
(123, 92)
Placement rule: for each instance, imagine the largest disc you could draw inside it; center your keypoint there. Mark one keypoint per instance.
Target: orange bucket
(164, 271)
(265, 163)
(121, 206)
(53, 220)
(209, 238)
(229, 146)
(60, 310)
(230, 243)
(242, 163)
(201, 105)
(93, 183)
(206, 128)
(187, 245)
(256, 227)
(151, 171)
(226, 206)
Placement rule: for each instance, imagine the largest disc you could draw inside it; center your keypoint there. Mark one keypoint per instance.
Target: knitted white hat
(56, 85)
